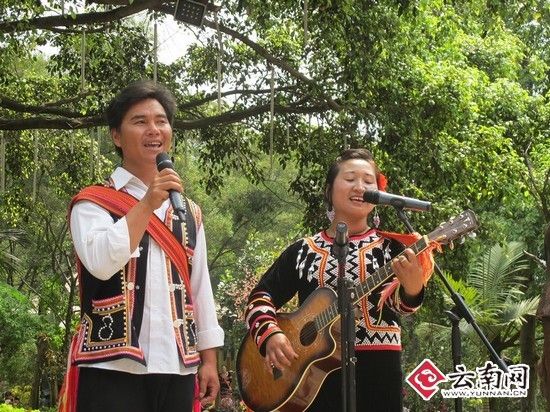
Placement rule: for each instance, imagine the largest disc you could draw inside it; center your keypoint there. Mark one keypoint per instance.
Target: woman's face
(354, 177)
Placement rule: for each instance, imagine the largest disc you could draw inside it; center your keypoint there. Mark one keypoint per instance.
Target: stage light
(192, 11)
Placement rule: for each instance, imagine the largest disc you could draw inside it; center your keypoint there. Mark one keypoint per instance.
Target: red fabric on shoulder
(120, 203)
(425, 257)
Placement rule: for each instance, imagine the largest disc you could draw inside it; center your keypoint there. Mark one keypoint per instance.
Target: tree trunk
(41, 349)
(529, 357)
(543, 313)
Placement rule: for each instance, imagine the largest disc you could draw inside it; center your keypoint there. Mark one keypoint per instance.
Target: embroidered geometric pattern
(365, 255)
(308, 264)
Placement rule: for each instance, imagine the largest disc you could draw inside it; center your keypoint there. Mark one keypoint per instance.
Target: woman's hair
(347, 154)
(135, 93)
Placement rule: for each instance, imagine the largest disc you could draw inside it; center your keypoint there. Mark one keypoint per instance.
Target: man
(147, 309)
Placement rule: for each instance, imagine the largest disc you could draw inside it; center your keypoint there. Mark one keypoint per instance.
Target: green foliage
(18, 326)
(451, 97)
(114, 58)
(241, 212)
(494, 290)
(235, 286)
(10, 408)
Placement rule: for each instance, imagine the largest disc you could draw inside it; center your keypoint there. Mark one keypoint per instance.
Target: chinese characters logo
(487, 381)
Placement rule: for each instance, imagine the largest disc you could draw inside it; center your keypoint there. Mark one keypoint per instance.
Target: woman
(307, 264)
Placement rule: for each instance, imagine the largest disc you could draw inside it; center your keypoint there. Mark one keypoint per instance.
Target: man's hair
(333, 170)
(135, 93)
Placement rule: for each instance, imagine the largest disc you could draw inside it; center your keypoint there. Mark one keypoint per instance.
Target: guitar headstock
(455, 228)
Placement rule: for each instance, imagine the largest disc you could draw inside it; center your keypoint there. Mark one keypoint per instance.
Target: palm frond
(13, 235)
(515, 312)
(495, 292)
(468, 293)
(472, 298)
(8, 262)
(433, 332)
(498, 273)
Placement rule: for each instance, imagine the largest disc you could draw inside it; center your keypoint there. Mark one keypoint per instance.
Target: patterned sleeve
(260, 318)
(276, 287)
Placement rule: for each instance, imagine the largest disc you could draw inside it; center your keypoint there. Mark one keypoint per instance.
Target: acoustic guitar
(314, 333)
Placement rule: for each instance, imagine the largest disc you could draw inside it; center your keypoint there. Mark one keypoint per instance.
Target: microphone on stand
(340, 245)
(164, 162)
(382, 198)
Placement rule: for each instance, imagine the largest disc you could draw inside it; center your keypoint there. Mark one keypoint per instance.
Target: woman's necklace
(332, 232)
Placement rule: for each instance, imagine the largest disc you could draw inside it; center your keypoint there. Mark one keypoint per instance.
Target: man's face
(143, 133)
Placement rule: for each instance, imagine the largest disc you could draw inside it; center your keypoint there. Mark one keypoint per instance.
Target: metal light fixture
(191, 11)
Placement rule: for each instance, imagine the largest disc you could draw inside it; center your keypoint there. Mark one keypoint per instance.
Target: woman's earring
(330, 214)
(376, 219)
(330, 209)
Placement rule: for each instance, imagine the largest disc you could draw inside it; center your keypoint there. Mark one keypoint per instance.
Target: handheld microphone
(164, 162)
(382, 198)
(340, 244)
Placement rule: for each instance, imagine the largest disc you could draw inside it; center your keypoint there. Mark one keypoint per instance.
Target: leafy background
(451, 97)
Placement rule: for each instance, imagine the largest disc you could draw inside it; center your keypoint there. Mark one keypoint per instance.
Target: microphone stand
(347, 319)
(456, 345)
(460, 310)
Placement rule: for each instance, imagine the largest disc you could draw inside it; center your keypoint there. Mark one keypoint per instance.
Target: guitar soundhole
(308, 334)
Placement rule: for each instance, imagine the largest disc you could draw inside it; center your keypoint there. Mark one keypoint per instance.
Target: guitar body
(295, 388)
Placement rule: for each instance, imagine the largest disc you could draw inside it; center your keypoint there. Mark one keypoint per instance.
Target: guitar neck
(379, 277)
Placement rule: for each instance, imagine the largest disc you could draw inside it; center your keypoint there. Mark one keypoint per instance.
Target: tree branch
(222, 250)
(261, 51)
(232, 117)
(51, 108)
(541, 263)
(213, 96)
(51, 22)
(67, 123)
(63, 123)
(10, 104)
(71, 99)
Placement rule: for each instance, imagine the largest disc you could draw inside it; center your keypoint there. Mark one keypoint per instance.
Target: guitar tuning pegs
(472, 235)
(461, 240)
(451, 245)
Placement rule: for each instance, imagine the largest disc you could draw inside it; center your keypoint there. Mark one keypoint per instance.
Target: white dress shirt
(103, 247)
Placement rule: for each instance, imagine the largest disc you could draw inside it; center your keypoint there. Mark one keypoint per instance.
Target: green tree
(18, 327)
